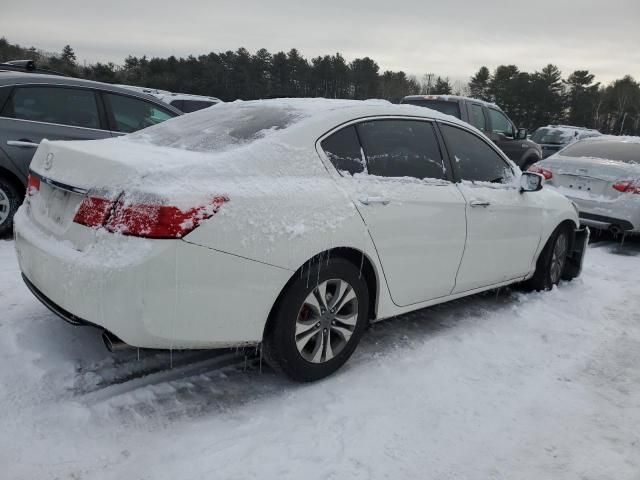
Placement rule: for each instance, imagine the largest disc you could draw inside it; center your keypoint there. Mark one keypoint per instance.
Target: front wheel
(318, 321)
(552, 260)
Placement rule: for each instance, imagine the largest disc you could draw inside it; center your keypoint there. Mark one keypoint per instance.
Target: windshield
(448, 108)
(553, 136)
(223, 128)
(620, 151)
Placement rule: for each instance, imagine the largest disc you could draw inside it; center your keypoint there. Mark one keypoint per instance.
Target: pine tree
(68, 56)
(582, 98)
(479, 84)
(442, 87)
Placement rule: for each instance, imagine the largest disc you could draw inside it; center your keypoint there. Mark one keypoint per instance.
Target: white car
(602, 176)
(287, 223)
(553, 138)
(184, 102)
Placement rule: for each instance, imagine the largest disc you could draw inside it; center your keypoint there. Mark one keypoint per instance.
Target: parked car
(35, 106)
(188, 103)
(287, 223)
(489, 119)
(602, 176)
(554, 138)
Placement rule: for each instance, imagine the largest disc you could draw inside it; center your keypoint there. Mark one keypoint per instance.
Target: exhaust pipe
(113, 343)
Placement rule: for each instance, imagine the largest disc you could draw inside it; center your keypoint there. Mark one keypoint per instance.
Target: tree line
(531, 99)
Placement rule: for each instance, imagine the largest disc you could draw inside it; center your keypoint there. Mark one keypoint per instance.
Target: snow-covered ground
(509, 386)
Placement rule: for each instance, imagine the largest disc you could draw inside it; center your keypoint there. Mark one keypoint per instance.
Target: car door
(129, 114)
(397, 176)
(36, 112)
(503, 133)
(503, 225)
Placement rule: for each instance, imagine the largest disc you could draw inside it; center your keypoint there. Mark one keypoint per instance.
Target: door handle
(22, 144)
(373, 200)
(480, 203)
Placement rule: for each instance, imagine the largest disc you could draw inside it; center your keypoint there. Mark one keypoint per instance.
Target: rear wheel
(318, 321)
(552, 260)
(9, 203)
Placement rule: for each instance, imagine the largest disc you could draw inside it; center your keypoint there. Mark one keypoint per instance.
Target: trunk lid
(589, 178)
(69, 170)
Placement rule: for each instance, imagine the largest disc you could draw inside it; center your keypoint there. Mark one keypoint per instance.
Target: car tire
(552, 261)
(9, 202)
(318, 321)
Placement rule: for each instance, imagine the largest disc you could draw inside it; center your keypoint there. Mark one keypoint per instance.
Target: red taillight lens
(627, 186)
(547, 174)
(143, 218)
(159, 221)
(33, 184)
(94, 211)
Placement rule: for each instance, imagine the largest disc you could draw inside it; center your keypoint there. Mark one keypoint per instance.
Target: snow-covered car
(286, 223)
(602, 176)
(184, 102)
(554, 138)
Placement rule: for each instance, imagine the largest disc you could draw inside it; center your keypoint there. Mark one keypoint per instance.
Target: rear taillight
(627, 186)
(94, 211)
(144, 219)
(33, 184)
(547, 174)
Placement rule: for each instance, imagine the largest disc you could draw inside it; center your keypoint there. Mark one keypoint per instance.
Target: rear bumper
(59, 311)
(603, 222)
(575, 259)
(150, 293)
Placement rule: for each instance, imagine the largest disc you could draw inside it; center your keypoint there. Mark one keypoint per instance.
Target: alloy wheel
(558, 257)
(326, 320)
(5, 206)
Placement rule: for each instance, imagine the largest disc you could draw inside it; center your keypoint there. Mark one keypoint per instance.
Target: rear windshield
(620, 151)
(448, 108)
(222, 128)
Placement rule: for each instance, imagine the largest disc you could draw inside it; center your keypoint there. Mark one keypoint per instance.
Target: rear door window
(474, 159)
(401, 148)
(477, 117)
(75, 107)
(500, 123)
(131, 114)
(343, 150)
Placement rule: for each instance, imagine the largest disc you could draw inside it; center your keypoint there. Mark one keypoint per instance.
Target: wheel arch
(357, 257)
(13, 179)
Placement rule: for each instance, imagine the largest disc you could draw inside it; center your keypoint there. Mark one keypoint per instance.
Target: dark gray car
(488, 118)
(36, 106)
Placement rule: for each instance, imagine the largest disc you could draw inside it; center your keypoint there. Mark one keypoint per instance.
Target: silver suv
(35, 106)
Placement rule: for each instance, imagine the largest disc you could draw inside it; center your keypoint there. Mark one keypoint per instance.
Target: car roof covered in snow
(296, 120)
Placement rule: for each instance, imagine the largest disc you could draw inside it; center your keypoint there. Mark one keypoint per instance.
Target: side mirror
(531, 182)
(522, 134)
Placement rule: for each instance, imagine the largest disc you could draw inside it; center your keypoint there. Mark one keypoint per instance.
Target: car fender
(556, 210)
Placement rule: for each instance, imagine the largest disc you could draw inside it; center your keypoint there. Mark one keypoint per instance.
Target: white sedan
(602, 176)
(286, 223)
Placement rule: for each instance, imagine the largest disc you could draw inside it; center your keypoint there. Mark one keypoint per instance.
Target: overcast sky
(450, 37)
